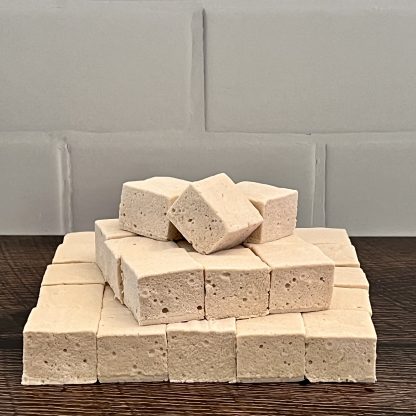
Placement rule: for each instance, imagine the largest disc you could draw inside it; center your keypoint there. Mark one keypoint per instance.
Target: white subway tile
(96, 66)
(303, 67)
(371, 184)
(102, 162)
(31, 184)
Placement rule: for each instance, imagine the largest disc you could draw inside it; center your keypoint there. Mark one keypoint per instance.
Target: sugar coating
(291, 239)
(113, 249)
(59, 338)
(80, 297)
(76, 248)
(350, 298)
(342, 255)
(213, 214)
(144, 205)
(277, 206)
(85, 237)
(301, 279)
(163, 286)
(110, 228)
(237, 283)
(321, 235)
(271, 348)
(72, 274)
(351, 277)
(202, 351)
(126, 351)
(340, 346)
(107, 230)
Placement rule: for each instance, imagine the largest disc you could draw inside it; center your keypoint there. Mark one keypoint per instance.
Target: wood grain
(390, 264)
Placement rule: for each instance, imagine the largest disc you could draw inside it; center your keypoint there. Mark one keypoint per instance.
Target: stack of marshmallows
(206, 281)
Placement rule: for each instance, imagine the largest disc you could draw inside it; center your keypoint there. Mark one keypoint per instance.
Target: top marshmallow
(277, 206)
(144, 205)
(214, 214)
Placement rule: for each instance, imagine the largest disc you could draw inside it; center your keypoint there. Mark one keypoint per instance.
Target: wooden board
(390, 264)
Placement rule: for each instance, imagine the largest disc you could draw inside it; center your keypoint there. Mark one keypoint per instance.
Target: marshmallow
(213, 214)
(144, 205)
(277, 206)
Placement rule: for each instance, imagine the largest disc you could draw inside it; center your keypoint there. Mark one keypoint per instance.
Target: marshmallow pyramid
(206, 281)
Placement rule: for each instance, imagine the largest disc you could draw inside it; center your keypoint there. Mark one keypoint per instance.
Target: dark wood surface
(390, 264)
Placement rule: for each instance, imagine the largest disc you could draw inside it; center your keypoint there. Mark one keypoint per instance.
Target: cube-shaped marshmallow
(340, 346)
(271, 348)
(112, 250)
(144, 205)
(107, 230)
(302, 276)
(76, 248)
(351, 277)
(291, 239)
(126, 351)
(202, 351)
(350, 298)
(163, 286)
(322, 235)
(59, 346)
(237, 283)
(277, 206)
(80, 237)
(60, 336)
(343, 255)
(72, 274)
(82, 297)
(213, 214)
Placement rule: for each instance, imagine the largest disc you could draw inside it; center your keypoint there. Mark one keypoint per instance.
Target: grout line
(204, 67)
(319, 198)
(67, 187)
(64, 183)
(318, 135)
(325, 201)
(196, 121)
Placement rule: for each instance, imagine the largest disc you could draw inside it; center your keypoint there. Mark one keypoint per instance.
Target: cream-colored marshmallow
(80, 237)
(301, 278)
(213, 214)
(76, 248)
(107, 230)
(126, 351)
(144, 205)
(202, 351)
(271, 348)
(237, 283)
(291, 239)
(82, 297)
(321, 235)
(163, 286)
(342, 255)
(59, 338)
(350, 298)
(72, 274)
(112, 250)
(351, 277)
(340, 346)
(277, 206)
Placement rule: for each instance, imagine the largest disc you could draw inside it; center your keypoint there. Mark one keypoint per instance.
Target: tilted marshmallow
(213, 214)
